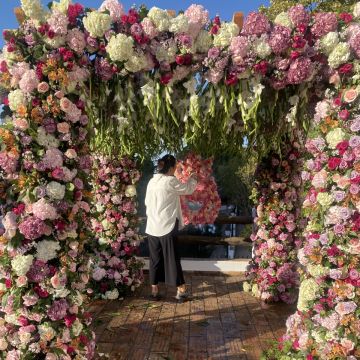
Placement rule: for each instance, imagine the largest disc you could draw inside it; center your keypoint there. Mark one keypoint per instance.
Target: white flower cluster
(130, 191)
(47, 250)
(44, 210)
(179, 24)
(16, 98)
(262, 47)
(120, 47)
(61, 6)
(317, 270)
(340, 55)
(21, 264)
(33, 9)
(307, 293)
(111, 295)
(334, 137)
(357, 10)
(137, 63)
(284, 20)
(46, 140)
(225, 34)
(55, 190)
(329, 42)
(166, 51)
(203, 42)
(160, 18)
(97, 23)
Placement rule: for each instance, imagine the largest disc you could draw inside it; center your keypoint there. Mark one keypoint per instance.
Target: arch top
(238, 19)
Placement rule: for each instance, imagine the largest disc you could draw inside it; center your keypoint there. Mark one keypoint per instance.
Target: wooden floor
(221, 322)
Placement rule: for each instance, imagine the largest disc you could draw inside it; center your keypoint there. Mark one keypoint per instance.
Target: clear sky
(224, 8)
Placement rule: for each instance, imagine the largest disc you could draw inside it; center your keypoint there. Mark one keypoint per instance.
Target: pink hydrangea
(33, 228)
(280, 39)
(29, 81)
(149, 28)
(239, 46)
(44, 210)
(58, 310)
(300, 70)
(299, 15)
(115, 9)
(53, 159)
(324, 23)
(76, 40)
(58, 22)
(256, 24)
(8, 162)
(198, 17)
(355, 43)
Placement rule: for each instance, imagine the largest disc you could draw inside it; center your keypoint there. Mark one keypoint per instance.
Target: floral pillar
(42, 276)
(273, 273)
(115, 223)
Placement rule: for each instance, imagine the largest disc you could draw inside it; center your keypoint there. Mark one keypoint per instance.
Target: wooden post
(171, 13)
(238, 19)
(20, 15)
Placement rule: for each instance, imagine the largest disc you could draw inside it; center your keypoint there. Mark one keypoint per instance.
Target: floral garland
(327, 325)
(273, 273)
(115, 223)
(202, 207)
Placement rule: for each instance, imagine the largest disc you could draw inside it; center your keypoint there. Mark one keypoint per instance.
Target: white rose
(111, 295)
(97, 23)
(77, 327)
(71, 154)
(130, 191)
(334, 137)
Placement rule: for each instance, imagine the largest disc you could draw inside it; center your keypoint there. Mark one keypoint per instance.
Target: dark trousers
(165, 263)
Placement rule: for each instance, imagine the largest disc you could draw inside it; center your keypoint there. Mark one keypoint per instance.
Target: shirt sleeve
(177, 187)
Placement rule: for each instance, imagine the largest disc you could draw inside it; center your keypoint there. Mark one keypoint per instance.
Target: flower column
(42, 277)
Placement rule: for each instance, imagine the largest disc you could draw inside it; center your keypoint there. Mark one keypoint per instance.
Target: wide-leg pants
(165, 265)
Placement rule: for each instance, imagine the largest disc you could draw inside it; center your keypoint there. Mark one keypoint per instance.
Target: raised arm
(177, 187)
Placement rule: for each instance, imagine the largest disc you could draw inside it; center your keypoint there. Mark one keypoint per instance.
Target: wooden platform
(221, 322)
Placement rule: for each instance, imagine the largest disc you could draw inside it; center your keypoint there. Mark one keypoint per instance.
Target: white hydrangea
(61, 6)
(111, 295)
(225, 34)
(329, 41)
(77, 327)
(33, 9)
(120, 47)
(46, 140)
(340, 55)
(357, 10)
(47, 250)
(16, 98)
(21, 264)
(166, 51)
(56, 41)
(179, 24)
(308, 291)
(284, 20)
(334, 137)
(97, 23)
(130, 191)
(262, 47)
(55, 190)
(160, 18)
(317, 270)
(203, 42)
(137, 63)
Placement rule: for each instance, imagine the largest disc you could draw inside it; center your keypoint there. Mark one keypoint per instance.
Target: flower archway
(110, 83)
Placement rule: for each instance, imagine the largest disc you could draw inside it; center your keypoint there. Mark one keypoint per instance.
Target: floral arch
(113, 83)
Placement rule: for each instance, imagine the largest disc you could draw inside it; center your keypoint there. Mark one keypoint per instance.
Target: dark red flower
(346, 17)
(51, 34)
(217, 20)
(299, 42)
(337, 101)
(3, 66)
(6, 101)
(301, 28)
(231, 79)
(214, 29)
(261, 67)
(74, 10)
(345, 69)
(165, 79)
(344, 114)
(23, 320)
(69, 320)
(342, 147)
(294, 55)
(8, 283)
(41, 292)
(19, 209)
(60, 225)
(333, 163)
(124, 19)
(36, 102)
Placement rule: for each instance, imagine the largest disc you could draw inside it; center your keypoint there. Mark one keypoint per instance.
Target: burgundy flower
(69, 320)
(261, 67)
(58, 310)
(231, 79)
(165, 79)
(343, 146)
(38, 271)
(345, 69)
(41, 292)
(344, 114)
(74, 10)
(346, 17)
(333, 163)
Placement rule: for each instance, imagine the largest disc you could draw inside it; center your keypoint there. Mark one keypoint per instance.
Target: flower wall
(273, 272)
(115, 225)
(202, 207)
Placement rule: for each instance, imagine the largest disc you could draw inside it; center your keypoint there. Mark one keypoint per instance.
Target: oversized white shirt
(163, 203)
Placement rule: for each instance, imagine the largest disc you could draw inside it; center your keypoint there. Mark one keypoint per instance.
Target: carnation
(21, 264)
(324, 23)
(307, 293)
(329, 42)
(120, 47)
(283, 19)
(115, 9)
(97, 23)
(203, 42)
(299, 15)
(225, 34)
(179, 24)
(160, 18)
(33, 228)
(340, 55)
(58, 22)
(76, 40)
(33, 9)
(334, 137)
(261, 47)
(55, 190)
(256, 24)
(16, 99)
(47, 250)
(46, 140)
(44, 210)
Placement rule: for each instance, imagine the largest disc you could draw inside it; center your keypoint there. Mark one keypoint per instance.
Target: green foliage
(278, 6)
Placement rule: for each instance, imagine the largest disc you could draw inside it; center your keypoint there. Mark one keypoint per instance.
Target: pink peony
(33, 228)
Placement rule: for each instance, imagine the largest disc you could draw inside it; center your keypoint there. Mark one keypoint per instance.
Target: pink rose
(65, 104)
(350, 95)
(59, 94)
(43, 87)
(21, 124)
(71, 154)
(21, 281)
(63, 127)
(319, 180)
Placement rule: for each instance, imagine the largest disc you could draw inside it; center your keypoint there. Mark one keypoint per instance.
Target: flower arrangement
(273, 273)
(202, 207)
(326, 325)
(115, 223)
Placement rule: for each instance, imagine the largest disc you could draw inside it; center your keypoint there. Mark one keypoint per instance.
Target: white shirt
(163, 203)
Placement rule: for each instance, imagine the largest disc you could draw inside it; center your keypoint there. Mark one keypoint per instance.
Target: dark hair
(165, 163)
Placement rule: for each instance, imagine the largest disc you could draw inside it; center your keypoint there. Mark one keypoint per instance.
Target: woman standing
(164, 219)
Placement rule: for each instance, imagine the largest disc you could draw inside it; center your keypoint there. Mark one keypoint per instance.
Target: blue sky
(224, 8)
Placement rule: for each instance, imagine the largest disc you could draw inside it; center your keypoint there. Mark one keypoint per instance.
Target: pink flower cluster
(202, 207)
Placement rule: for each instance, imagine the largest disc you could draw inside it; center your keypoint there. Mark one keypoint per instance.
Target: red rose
(299, 42)
(337, 101)
(214, 29)
(344, 114)
(333, 163)
(6, 101)
(180, 59)
(231, 79)
(345, 69)
(261, 67)
(294, 55)
(74, 10)
(3, 66)
(346, 17)
(302, 28)
(165, 79)
(217, 20)
(69, 320)
(8, 283)
(124, 19)
(60, 225)
(23, 320)
(342, 147)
